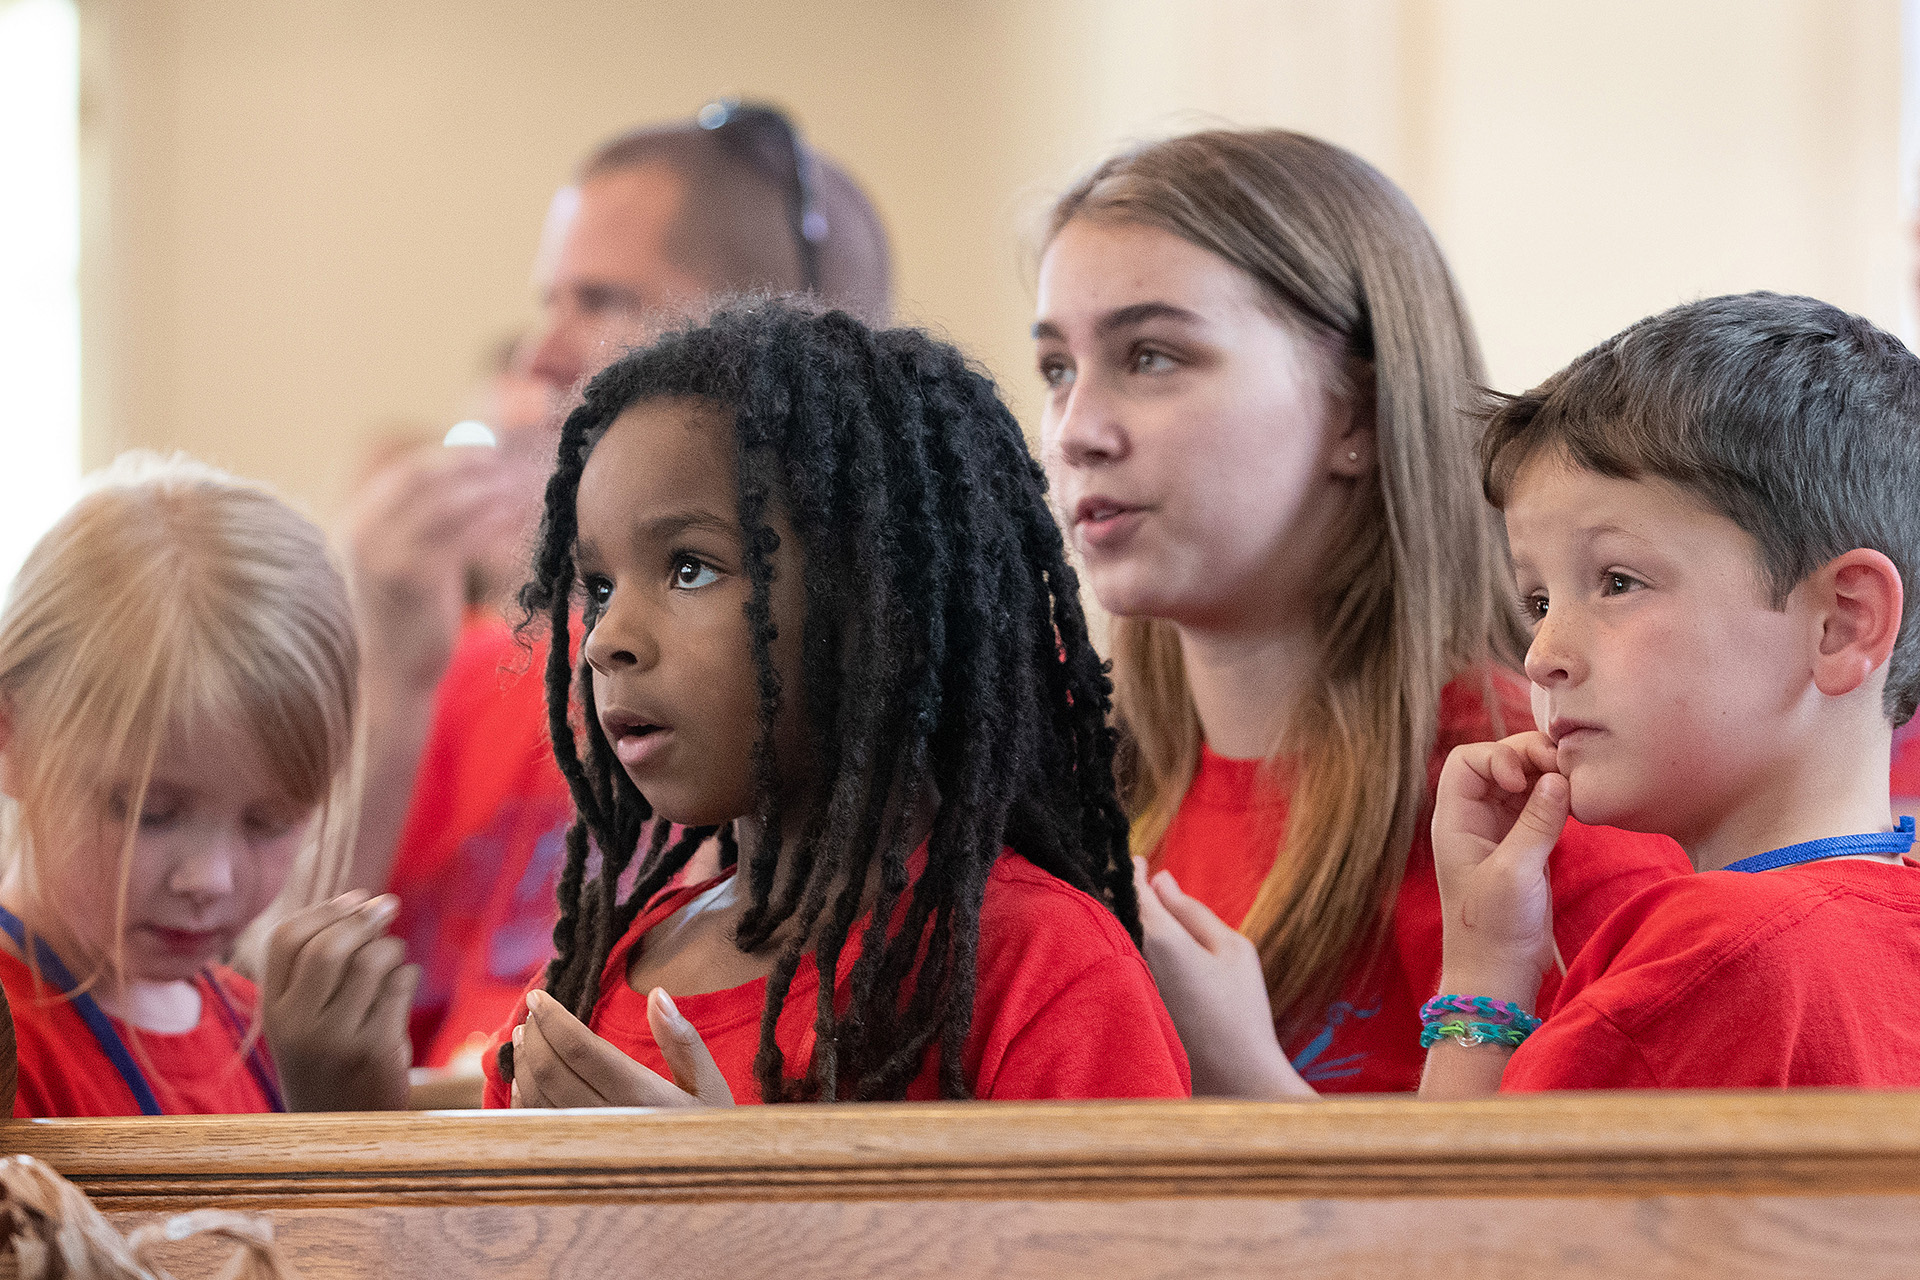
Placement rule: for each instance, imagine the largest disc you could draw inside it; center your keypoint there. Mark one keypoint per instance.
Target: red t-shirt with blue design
(1224, 838)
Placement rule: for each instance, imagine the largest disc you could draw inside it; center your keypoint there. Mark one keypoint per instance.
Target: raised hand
(334, 1000)
(559, 1062)
(417, 527)
(1209, 975)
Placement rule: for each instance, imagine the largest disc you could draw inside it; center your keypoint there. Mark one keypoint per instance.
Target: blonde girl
(1256, 364)
(177, 681)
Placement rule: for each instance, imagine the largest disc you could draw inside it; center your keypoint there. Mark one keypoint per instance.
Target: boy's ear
(1858, 600)
(1354, 444)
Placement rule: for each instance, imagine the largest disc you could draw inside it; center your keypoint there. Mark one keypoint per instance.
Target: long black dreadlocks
(945, 654)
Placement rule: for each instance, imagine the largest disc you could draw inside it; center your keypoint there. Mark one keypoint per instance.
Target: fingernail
(533, 1000)
(517, 1032)
(385, 907)
(666, 1003)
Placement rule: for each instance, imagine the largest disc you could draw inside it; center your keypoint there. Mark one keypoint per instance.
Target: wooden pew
(1641, 1185)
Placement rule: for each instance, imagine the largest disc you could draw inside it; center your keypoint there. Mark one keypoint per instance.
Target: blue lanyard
(263, 1075)
(1898, 840)
(56, 972)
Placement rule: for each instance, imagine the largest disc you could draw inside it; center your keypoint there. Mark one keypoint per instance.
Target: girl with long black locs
(828, 625)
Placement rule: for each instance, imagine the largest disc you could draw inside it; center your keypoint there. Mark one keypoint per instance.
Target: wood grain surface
(1646, 1238)
(1642, 1185)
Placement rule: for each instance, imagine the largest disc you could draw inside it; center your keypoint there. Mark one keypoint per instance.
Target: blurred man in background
(465, 813)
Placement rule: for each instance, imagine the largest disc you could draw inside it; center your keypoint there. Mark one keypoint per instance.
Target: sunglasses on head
(768, 141)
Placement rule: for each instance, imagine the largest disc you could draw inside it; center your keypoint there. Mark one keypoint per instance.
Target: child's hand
(1210, 977)
(558, 1062)
(1497, 816)
(335, 999)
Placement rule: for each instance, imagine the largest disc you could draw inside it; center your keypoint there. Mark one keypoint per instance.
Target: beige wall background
(304, 223)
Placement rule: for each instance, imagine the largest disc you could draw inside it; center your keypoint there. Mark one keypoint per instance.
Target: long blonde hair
(172, 594)
(1415, 592)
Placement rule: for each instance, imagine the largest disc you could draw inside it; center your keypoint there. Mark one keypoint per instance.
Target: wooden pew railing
(1641, 1185)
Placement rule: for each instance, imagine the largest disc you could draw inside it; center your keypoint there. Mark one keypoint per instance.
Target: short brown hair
(735, 230)
(1795, 420)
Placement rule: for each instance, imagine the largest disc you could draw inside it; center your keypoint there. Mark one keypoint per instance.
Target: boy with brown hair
(1712, 518)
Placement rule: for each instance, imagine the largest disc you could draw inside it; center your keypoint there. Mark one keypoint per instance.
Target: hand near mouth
(1498, 813)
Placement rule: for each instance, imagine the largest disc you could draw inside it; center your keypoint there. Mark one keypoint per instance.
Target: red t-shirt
(1804, 975)
(485, 837)
(65, 1072)
(1064, 1006)
(1223, 840)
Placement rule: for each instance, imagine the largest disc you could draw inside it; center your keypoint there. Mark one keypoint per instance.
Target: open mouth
(1102, 521)
(635, 741)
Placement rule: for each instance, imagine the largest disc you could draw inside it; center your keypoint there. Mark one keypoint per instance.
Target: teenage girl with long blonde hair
(1257, 370)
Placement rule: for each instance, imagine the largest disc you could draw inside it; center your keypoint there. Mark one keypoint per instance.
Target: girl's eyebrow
(1141, 312)
(663, 529)
(1125, 318)
(674, 523)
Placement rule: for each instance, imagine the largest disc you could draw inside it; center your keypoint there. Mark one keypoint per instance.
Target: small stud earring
(1353, 455)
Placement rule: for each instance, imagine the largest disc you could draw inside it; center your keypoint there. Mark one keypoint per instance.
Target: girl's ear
(1857, 600)
(1353, 445)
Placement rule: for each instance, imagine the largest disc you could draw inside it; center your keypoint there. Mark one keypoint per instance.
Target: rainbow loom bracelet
(1485, 1021)
(1471, 1033)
